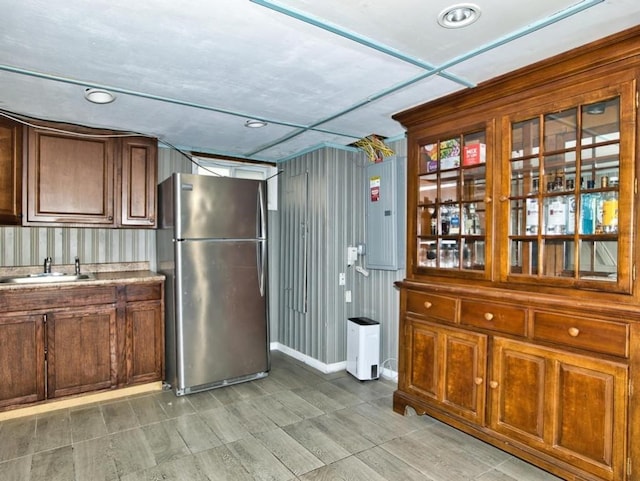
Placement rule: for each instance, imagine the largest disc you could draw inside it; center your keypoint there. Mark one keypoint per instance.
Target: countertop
(101, 274)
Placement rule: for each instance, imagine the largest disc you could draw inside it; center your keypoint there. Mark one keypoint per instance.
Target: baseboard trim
(80, 400)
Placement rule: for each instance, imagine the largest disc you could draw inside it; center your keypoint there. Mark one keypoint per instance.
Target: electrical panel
(386, 214)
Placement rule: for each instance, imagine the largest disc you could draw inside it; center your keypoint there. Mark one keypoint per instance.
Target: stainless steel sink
(45, 277)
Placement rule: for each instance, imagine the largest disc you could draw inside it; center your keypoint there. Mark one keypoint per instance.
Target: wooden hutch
(520, 312)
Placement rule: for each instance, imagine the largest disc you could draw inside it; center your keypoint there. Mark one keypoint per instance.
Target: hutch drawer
(596, 335)
(496, 317)
(432, 306)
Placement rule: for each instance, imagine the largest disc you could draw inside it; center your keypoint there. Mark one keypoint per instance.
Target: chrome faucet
(77, 266)
(47, 265)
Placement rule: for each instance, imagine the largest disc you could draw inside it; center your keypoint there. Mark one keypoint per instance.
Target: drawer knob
(488, 316)
(478, 381)
(503, 198)
(493, 384)
(427, 304)
(574, 331)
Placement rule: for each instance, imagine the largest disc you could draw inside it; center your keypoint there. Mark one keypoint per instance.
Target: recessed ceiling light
(255, 124)
(99, 96)
(458, 16)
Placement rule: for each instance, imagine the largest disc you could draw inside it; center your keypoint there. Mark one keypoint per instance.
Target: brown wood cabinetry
(520, 313)
(81, 350)
(70, 340)
(144, 338)
(10, 172)
(88, 178)
(22, 359)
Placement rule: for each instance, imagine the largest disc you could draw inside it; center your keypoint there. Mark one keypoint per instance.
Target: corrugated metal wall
(332, 219)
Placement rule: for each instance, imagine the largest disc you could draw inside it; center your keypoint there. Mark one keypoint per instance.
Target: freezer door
(219, 207)
(222, 326)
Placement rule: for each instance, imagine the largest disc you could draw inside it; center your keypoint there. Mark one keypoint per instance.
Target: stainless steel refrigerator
(212, 248)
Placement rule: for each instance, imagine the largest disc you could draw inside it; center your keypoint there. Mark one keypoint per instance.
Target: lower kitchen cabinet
(22, 362)
(81, 353)
(63, 341)
(144, 341)
(550, 386)
(570, 406)
(448, 366)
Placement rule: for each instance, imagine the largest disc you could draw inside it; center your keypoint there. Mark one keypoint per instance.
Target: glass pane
(428, 189)
(473, 218)
(525, 176)
(518, 216)
(474, 150)
(449, 186)
(449, 154)
(525, 138)
(473, 254)
(601, 122)
(473, 183)
(557, 219)
(524, 257)
(558, 258)
(560, 173)
(449, 257)
(560, 130)
(427, 253)
(598, 260)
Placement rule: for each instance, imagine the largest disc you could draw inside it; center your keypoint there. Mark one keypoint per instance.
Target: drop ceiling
(319, 72)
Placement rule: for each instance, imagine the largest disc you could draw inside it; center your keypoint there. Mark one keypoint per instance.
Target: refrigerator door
(219, 207)
(222, 329)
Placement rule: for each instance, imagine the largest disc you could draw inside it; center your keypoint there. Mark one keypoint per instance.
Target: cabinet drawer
(496, 317)
(143, 292)
(596, 335)
(432, 306)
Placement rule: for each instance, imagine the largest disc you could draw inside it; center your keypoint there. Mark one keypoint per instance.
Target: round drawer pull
(493, 384)
(427, 305)
(488, 316)
(574, 331)
(503, 198)
(478, 380)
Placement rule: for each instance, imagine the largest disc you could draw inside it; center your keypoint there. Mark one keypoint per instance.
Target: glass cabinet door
(564, 170)
(452, 221)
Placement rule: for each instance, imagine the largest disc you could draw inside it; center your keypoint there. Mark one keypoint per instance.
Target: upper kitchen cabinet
(527, 186)
(88, 178)
(139, 181)
(10, 172)
(453, 205)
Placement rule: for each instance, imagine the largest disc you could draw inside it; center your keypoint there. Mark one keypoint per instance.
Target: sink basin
(45, 277)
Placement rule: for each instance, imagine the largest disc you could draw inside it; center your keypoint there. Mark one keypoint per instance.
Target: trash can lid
(363, 321)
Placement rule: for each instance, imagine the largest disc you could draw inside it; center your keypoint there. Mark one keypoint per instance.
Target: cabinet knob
(574, 331)
(488, 200)
(427, 305)
(488, 316)
(110, 218)
(503, 198)
(493, 384)
(478, 381)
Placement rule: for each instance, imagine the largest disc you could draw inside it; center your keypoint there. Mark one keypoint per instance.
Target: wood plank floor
(296, 424)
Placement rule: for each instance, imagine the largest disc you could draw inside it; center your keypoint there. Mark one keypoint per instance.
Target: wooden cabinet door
(81, 350)
(139, 182)
(448, 365)
(144, 341)
(70, 179)
(10, 172)
(22, 362)
(570, 406)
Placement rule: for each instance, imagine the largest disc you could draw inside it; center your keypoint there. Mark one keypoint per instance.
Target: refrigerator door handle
(260, 214)
(261, 256)
(261, 248)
